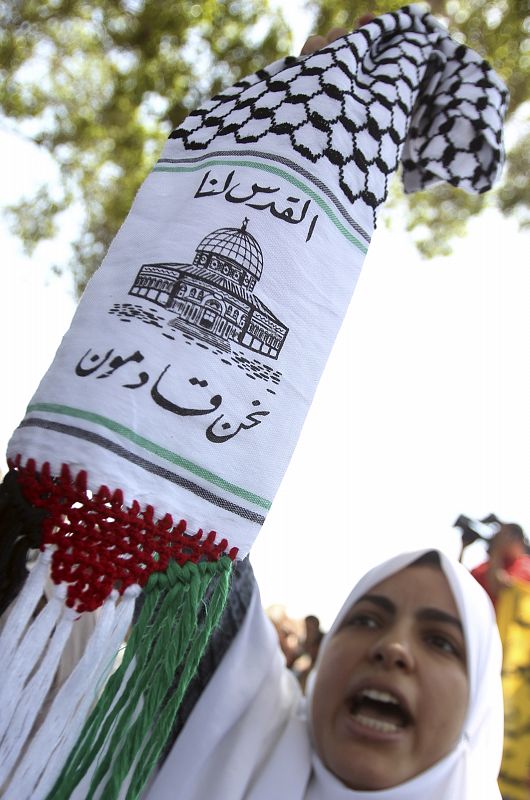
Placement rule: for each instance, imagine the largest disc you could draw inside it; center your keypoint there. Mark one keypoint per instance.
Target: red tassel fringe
(101, 545)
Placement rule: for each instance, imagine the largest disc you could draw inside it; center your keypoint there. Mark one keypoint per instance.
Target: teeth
(382, 697)
(377, 724)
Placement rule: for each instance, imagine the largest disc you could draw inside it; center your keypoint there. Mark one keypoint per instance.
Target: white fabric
(50, 744)
(197, 347)
(248, 737)
(196, 350)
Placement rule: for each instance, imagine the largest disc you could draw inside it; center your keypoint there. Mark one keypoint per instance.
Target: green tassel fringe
(131, 723)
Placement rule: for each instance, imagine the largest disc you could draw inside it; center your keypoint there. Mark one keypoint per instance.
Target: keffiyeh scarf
(153, 447)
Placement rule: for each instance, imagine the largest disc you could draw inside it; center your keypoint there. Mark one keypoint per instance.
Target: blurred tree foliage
(100, 83)
(500, 31)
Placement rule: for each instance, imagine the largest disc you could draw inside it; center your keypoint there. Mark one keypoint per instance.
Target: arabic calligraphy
(293, 213)
(115, 364)
(217, 432)
(227, 426)
(163, 402)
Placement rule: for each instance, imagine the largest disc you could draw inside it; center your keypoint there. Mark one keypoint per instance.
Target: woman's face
(391, 692)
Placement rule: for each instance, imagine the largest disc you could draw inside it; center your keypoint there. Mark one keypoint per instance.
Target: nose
(393, 651)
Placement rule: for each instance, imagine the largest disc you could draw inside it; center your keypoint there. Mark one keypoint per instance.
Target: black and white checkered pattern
(398, 87)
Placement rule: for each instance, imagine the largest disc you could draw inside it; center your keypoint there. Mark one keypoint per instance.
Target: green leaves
(500, 31)
(100, 85)
(513, 194)
(34, 219)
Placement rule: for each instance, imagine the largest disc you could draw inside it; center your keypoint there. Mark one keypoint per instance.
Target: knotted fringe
(51, 743)
(100, 554)
(126, 732)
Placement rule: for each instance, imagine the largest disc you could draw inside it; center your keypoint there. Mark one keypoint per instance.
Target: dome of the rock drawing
(213, 298)
(235, 246)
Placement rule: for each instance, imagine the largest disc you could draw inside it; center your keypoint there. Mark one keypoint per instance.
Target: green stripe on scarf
(303, 187)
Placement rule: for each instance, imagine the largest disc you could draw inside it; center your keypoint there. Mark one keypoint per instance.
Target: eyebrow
(379, 600)
(437, 615)
(424, 614)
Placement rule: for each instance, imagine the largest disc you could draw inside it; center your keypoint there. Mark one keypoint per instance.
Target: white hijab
(248, 737)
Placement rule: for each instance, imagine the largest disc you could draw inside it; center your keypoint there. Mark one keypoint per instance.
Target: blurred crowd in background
(505, 575)
(299, 639)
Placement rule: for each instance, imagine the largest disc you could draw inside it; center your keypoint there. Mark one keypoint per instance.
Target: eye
(363, 619)
(443, 643)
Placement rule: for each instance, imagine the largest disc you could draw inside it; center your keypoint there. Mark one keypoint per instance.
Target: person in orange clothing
(508, 560)
(506, 578)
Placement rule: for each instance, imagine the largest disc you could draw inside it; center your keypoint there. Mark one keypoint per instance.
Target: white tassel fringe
(27, 655)
(49, 748)
(34, 695)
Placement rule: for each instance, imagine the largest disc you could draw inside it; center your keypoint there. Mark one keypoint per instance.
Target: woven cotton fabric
(150, 454)
(351, 106)
(197, 347)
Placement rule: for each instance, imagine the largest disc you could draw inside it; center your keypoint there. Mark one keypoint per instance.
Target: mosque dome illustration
(233, 247)
(213, 298)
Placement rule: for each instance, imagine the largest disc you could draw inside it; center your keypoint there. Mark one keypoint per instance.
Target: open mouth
(379, 710)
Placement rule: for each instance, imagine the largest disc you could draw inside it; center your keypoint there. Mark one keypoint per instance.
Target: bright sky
(421, 415)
